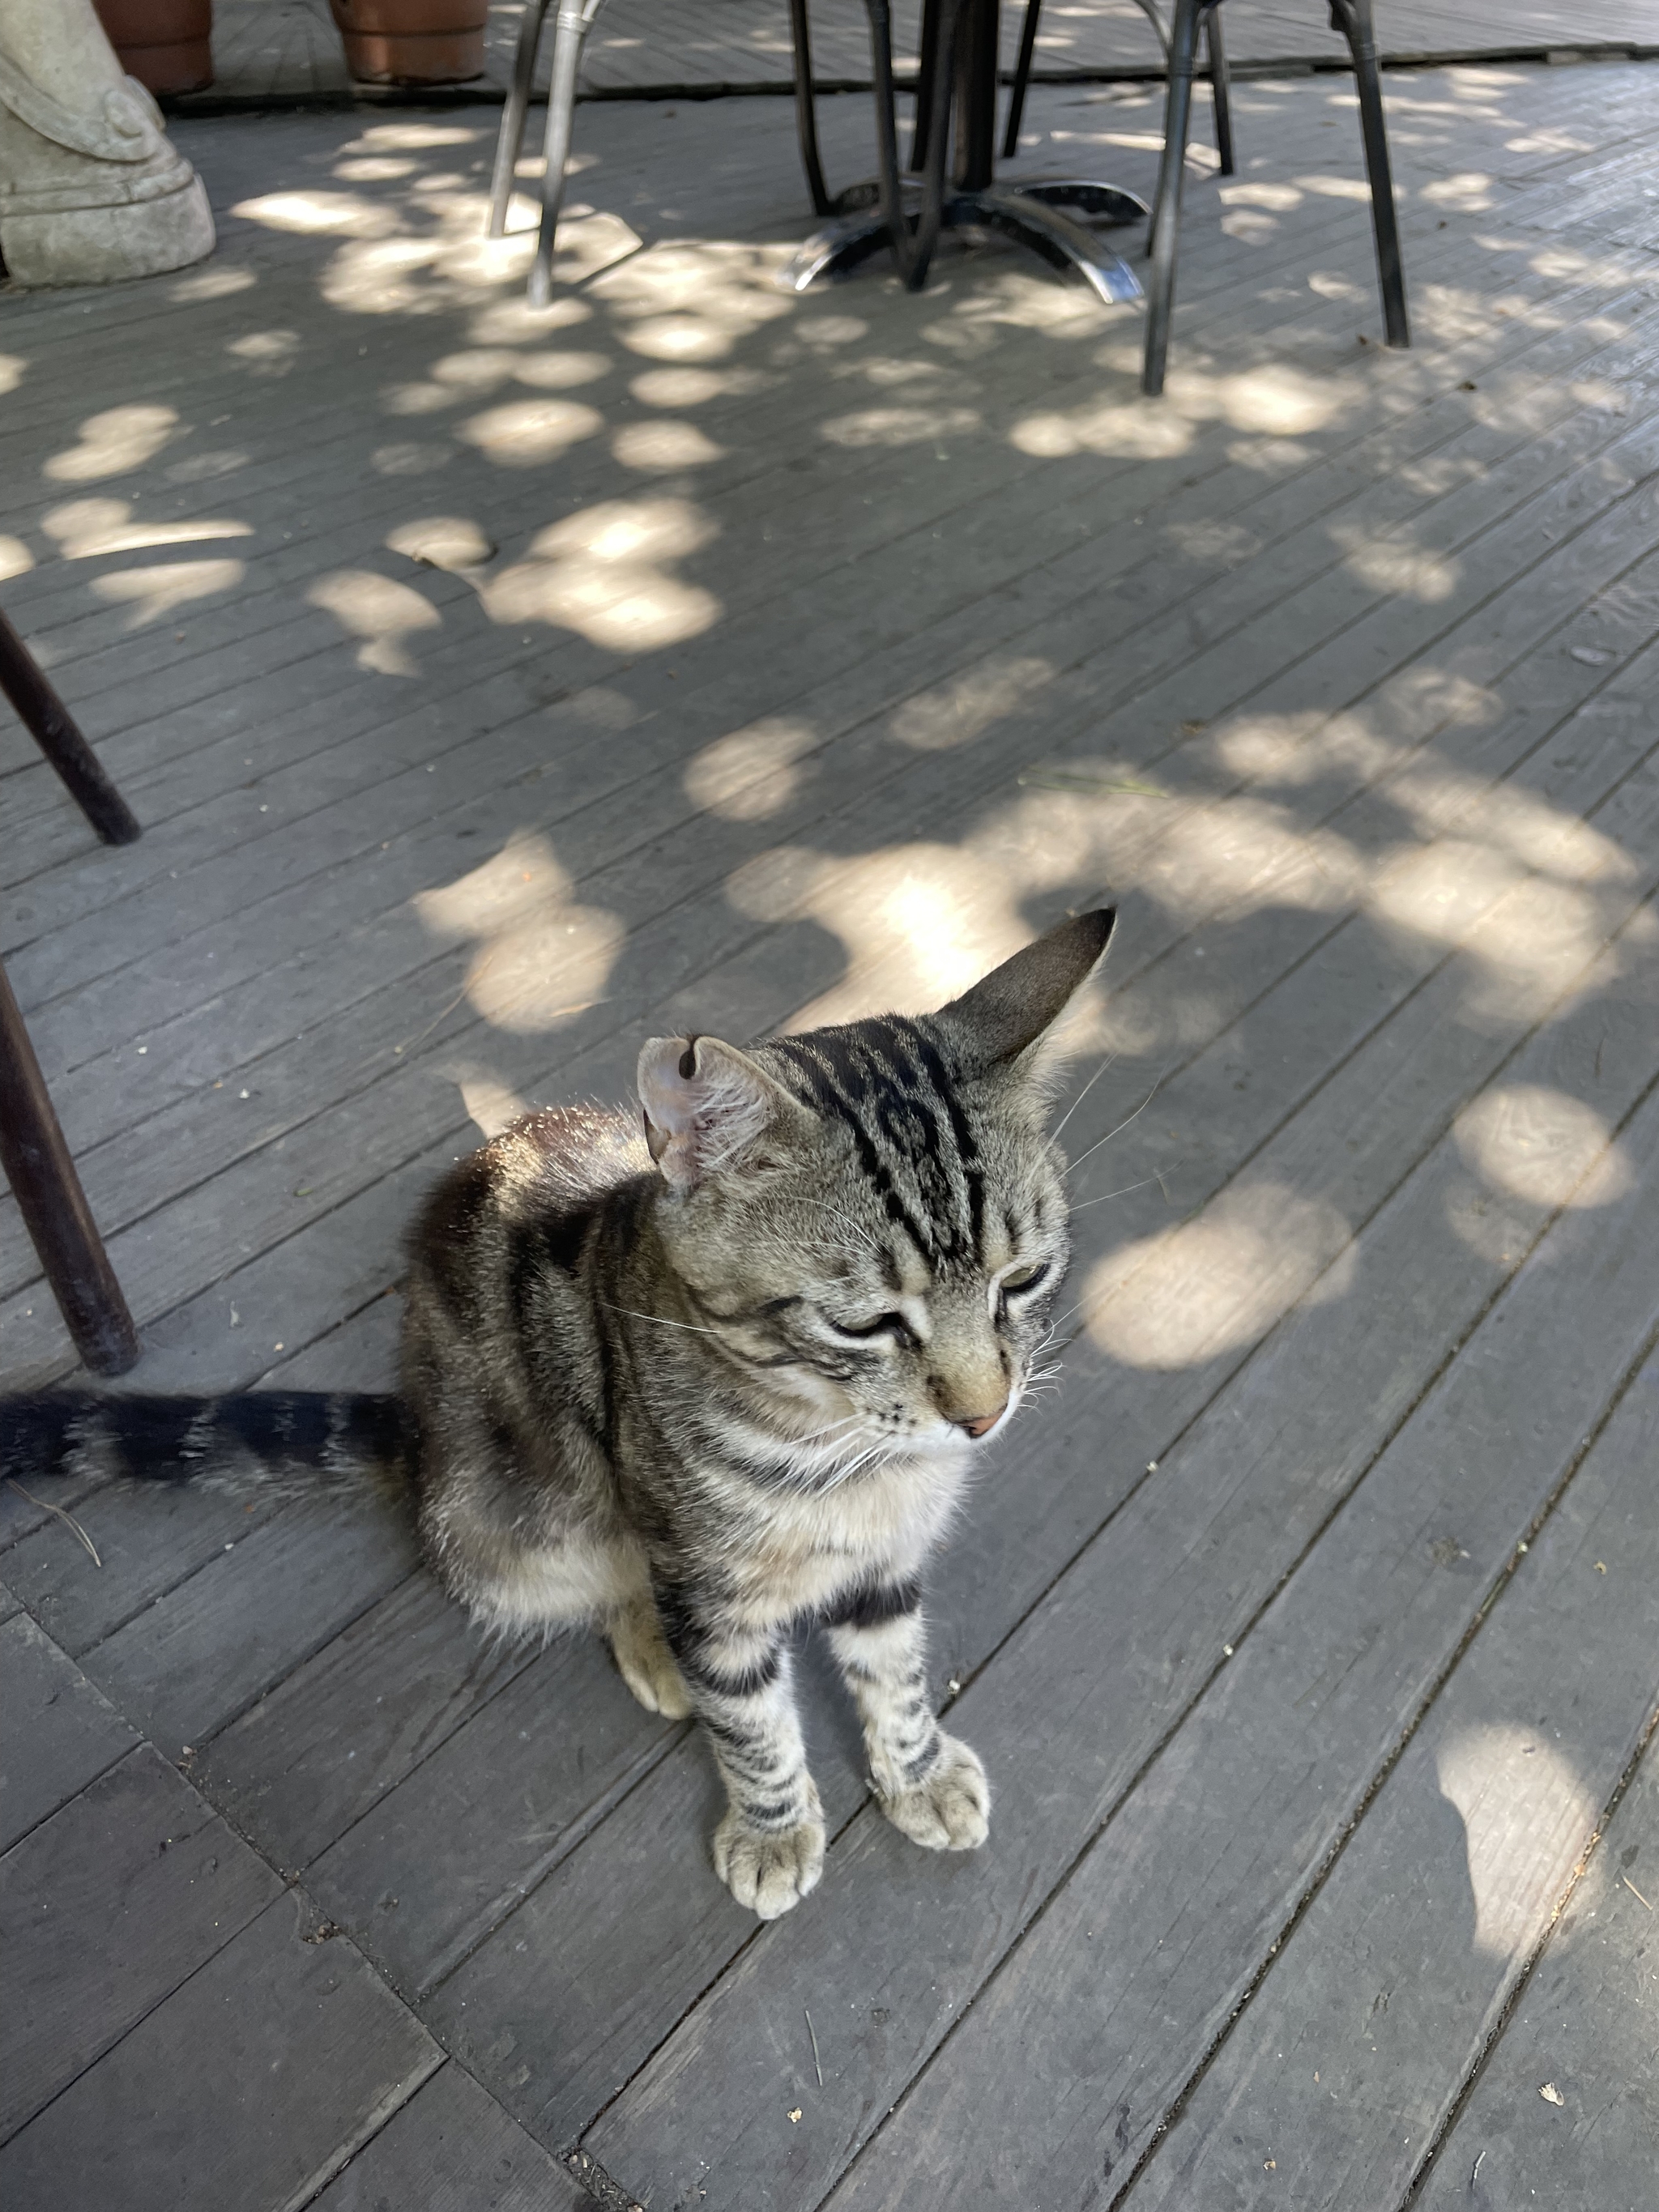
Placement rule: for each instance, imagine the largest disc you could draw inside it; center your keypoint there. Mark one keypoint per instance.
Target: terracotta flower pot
(163, 43)
(413, 41)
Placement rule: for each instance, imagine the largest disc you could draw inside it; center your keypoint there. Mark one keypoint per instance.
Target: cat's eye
(887, 1324)
(1026, 1278)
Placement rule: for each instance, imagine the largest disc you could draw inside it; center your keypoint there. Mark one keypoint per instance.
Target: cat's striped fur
(698, 1382)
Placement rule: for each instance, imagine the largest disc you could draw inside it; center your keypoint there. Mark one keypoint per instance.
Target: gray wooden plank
(191, 973)
(218, 957)
(451, 2149)
(328, 1742)
(251, 2086)
(936, 472)
(1396, 1980)
(558, 2008)
(106, 1908)
(92, 641)
(58, 1731)
(855, 514)
(150, 1536)
(1520, 611)
(432, 1866)
(1583, 2027)
(202, 1653)
(1132, 1632)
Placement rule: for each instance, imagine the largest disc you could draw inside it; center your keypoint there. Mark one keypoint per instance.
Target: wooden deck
(498, 690)
(288, 50)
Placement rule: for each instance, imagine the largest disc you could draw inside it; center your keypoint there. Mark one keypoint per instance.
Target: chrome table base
(1032, 214)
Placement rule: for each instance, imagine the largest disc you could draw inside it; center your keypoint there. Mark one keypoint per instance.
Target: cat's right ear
(706, 1107)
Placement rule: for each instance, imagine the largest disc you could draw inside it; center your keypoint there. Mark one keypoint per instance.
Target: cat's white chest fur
(885, 1522)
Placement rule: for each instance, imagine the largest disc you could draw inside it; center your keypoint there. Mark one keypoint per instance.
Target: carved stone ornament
(91, 190)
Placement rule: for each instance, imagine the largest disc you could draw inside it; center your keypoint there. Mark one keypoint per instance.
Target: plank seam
(1471, 2079)
(1321, 1874)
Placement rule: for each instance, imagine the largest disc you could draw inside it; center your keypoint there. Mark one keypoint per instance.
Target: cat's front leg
(931, 1785)
(768, 1849)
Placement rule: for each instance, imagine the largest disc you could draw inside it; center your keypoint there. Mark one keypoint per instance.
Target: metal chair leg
(54, 1207)
(1353, 18)
(921, 126)
(1022, 79)
(887, 166)
(1220, 78)
(806, 120)
(509, 139)
(49, 723)
(1221, 87)
(569, 30)
(1166, 209)
(935, 90)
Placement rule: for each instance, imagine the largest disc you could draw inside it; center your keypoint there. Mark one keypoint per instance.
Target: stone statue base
(103, 244)
(91, 189)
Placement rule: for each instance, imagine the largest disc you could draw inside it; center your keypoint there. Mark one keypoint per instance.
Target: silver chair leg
(570, 29)
(510, 138)
(1166, 209)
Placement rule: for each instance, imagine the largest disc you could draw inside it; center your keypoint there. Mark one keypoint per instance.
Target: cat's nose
(983, 1424)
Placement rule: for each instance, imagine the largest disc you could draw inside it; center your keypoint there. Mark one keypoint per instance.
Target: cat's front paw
(647, 1666)
(950, 1811)
(769, 1871)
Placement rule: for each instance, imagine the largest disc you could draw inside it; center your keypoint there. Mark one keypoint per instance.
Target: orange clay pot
(163, 43)
(413, 41)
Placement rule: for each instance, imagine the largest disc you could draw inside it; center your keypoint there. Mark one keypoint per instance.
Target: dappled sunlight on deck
(500, 688)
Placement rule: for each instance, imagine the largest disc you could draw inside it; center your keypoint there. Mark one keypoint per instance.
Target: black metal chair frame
(953, 62)
(1353, 18)
(907, 223)
(33, 1152)
(1217, 72)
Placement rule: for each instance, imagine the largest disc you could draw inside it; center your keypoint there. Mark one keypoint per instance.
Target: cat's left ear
(1008, 1009)
(707, 1106)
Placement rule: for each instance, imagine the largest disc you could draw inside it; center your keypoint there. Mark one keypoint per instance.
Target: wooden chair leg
(54, 1207)
(1166, 208)
(49, 723)
(509, 140)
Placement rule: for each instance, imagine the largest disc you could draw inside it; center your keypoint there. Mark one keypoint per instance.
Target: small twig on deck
(1061, 779)
(1634, 1890)
(420, 1036)
(70, 1521)
(817, 2069)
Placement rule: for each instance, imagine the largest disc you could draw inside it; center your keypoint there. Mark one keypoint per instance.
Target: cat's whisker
(1084, 1204)
(1109, 1061)
(659, 1320)
(1122, 1126)
(828, 1429)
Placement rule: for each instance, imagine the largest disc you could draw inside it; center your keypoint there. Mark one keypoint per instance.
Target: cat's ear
(1008, 1009)
(706, 1106)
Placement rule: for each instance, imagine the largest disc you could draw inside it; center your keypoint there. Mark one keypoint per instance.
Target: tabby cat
(699, 1381)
